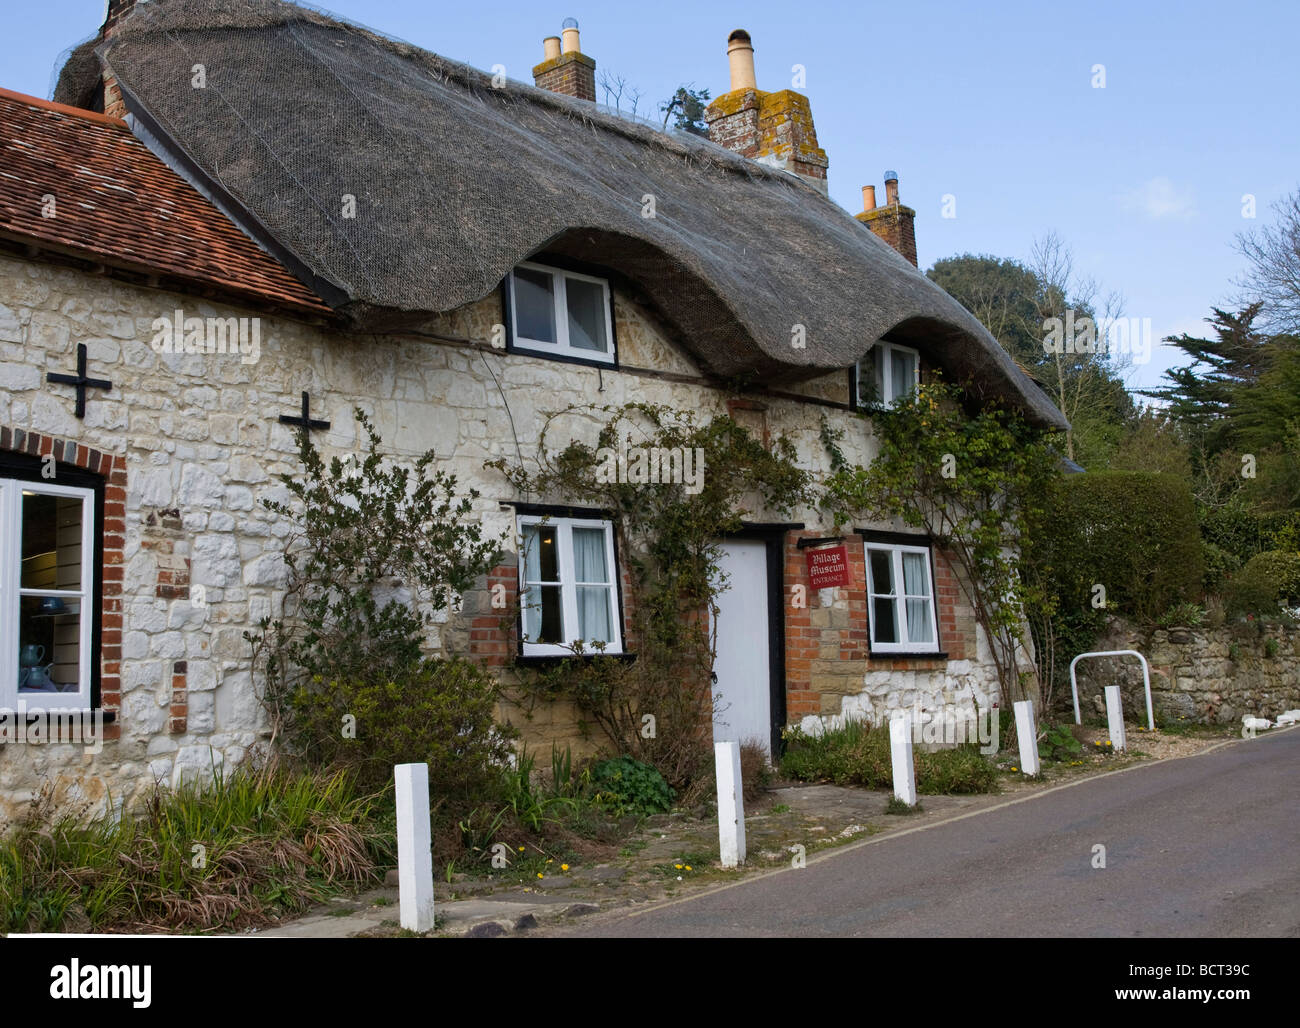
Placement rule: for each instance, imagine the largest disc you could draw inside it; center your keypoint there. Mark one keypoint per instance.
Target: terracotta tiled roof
(117, 203)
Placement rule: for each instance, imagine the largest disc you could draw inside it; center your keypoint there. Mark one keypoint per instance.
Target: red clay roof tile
(118, 203)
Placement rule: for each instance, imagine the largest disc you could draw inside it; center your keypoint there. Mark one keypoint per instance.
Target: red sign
(828, 567)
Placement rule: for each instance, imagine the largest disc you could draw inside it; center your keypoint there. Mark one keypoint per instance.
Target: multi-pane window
(47, 546)
(567, 587)
(561, 313)
(887, 373)
(900, 599)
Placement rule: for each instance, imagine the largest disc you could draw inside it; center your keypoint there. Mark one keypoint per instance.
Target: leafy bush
(954, 771)
(1281, 530)
(1236, 532)
(221, 854)
(859, 754)
(440, 714)
(1267, 580)
(1220, 565)
(1058, 743)
(376, 549)
(1134, 533)
(1182, 615)
(631, 787)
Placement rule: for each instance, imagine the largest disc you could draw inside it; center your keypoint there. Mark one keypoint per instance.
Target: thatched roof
(457, 180)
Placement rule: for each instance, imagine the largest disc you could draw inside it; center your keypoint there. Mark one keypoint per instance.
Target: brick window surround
(112, 529)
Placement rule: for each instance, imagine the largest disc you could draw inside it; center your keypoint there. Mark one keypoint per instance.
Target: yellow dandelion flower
(521, 849)
(678, 866)
(688, 867)
(564, 867)
(540, 875)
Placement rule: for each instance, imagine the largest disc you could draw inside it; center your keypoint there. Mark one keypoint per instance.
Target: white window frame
(568, 586)
(900, 598)
(561, 346)
(11, 593)
(881, 369)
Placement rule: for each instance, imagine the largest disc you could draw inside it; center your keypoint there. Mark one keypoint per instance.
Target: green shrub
(1134, 533)
(1236, 532)
(631, 787)
(217, 854)
(1280, 530)
(1220, 565)
(954, 771)
(440, 714)
(1182, 615)
(859, 754)
(1059, 743)
(1266, 581)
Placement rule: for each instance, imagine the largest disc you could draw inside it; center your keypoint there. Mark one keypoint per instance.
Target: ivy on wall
(976, 482)
(668, 535)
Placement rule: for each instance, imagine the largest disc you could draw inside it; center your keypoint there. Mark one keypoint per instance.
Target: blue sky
(992, 103)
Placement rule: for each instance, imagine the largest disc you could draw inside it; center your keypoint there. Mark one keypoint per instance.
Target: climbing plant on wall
(667, 534)
(976, 482)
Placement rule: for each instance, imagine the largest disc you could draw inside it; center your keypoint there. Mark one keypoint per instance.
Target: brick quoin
(112, 469)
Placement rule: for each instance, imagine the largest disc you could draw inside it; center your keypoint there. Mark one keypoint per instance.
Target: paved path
(1201, 846)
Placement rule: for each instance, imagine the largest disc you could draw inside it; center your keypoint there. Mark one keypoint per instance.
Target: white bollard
(900, 746)
(1115, 719)
(1027, 734)
(414, 847)
(731, 803)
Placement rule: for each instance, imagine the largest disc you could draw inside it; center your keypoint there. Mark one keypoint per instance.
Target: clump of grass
(224, 854)
(859, 754)
(897, 806)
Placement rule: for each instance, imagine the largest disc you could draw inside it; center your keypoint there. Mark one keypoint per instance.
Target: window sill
(566, 356)
(554, 659)
(907, 655)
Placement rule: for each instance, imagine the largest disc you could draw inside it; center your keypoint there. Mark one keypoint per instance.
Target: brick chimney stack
(565, 68)
(891, 221)
(772, 128)
(114, 107)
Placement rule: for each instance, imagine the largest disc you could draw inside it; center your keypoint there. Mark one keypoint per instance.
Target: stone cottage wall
(827, 678)
(1203, 675)
(194, 448)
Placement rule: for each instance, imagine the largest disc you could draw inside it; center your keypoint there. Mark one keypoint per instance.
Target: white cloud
(1159, 198)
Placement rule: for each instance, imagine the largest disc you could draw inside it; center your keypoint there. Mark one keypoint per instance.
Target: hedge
(1133, 532)
(1267, 579)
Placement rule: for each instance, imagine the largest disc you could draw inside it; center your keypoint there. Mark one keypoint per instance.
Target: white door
(742, 692)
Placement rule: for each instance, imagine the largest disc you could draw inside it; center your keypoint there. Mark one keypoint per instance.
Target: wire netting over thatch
(456, 181)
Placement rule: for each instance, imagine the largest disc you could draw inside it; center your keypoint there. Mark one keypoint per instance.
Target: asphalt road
(1202, 846)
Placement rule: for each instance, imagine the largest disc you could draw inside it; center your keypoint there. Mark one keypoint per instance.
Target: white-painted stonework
(204, 450)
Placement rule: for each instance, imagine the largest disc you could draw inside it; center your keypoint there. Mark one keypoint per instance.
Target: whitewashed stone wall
(201, 437)
(960, 691)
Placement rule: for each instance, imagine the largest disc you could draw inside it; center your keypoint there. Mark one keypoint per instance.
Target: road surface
(1201, 846)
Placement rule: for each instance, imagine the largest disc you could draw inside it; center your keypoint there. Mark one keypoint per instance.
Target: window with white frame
(900, 599)
(561, 313)
(567, 586)
(887, 373)
(47, 590)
